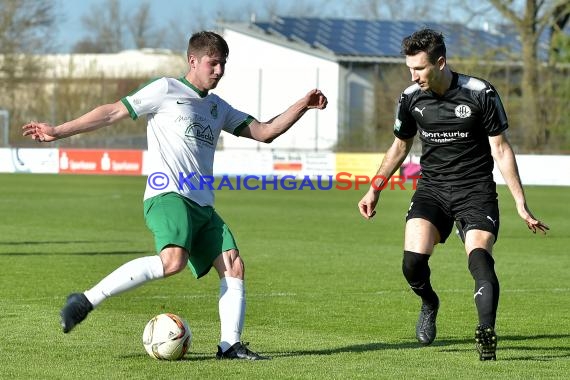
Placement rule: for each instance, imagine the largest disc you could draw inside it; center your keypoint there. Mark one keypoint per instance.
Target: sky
(202, 12)
(70, 12)
(188, 16)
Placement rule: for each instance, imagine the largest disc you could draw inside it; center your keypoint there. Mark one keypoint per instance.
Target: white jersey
(184, 124)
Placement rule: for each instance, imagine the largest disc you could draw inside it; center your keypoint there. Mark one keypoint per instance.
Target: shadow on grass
(67, 243)
(126, 252)
(546, 353)
(49, 242)
(189, 357)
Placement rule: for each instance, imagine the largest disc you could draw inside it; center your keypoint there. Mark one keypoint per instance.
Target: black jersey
(454, 128)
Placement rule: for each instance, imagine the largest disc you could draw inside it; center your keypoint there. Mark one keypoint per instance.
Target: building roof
(376, 40)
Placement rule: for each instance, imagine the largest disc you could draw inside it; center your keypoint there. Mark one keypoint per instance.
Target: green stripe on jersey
(132, 112)
(202, 94)
(245, 123)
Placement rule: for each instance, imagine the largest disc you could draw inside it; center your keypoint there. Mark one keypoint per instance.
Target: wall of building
(263, 79)
(125, 64)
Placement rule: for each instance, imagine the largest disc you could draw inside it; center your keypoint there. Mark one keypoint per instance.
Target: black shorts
(471, 207)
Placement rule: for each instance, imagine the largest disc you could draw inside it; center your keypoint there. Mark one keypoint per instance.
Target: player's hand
(316, 99)
(368, 203)
(40, 132)
(532, 223)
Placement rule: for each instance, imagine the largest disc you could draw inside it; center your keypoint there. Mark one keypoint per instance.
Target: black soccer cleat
(425, 328)
(239, 351)
(75, 310)
(486, 342)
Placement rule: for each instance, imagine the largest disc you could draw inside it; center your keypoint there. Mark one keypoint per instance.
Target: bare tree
(560, 44)
(112, 30)
(26, 25)
(530, 22)
(26, 31)
(105, 23)
(247, 11)
(394, 9)
(304, 8)
(141, 28)
(561, 17)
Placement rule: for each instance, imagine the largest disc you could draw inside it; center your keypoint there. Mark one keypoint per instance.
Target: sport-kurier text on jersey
(454, 129)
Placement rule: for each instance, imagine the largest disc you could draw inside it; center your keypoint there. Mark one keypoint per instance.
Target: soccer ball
(167, 337)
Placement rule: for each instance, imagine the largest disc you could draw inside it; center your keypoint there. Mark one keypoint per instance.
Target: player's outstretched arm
(99, 117)
(505, 158)
(391, 162)
(270, 130)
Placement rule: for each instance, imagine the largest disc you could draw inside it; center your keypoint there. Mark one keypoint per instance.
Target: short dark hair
(426, 40)
(207, 43)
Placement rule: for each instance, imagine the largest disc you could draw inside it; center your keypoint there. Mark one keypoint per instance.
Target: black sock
(416, 271)
(482, 268)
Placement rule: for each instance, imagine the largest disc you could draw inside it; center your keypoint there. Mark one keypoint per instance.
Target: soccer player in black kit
(461, 124)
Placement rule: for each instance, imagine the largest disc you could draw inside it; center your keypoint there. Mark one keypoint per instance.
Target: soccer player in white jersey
(184, 123)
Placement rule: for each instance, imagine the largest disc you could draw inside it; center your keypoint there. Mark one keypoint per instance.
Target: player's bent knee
(230, 264)
(415, 267)
(235, 266)
(174, 260)
(174, 267)
(237, 269)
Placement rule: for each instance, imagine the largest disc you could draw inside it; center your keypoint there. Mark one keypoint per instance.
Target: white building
(127, 63)
(273, 64)
(264, 77)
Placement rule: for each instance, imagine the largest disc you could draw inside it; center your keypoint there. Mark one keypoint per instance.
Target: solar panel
(382, 38)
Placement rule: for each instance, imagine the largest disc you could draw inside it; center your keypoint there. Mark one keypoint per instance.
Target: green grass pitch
(325, 294)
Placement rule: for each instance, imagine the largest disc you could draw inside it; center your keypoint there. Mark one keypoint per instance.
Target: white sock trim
(232, 283)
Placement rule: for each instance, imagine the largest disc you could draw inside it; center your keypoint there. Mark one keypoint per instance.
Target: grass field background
(325, 294)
